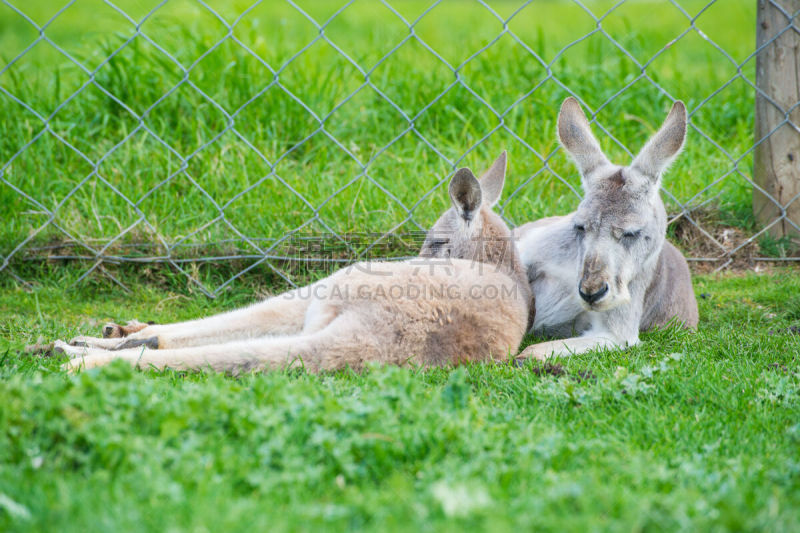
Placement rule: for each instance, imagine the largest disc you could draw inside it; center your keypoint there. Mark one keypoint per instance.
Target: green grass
(683, 432)
(176, 210)
(693, 432)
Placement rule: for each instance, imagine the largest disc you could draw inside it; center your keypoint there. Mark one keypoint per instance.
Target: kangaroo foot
(116, 331)
(40, 348)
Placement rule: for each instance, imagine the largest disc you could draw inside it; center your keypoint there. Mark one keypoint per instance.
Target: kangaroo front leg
(567, 347)
(280, 315)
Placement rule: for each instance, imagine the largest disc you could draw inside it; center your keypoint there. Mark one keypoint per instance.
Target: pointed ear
(492, 180)
(576, 136)
(664, 146)
(465, 192)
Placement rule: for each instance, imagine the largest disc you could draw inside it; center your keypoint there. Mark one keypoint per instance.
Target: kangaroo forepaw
(116, 331)
(531, 352)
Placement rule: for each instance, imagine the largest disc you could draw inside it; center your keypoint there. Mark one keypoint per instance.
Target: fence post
(776, 167)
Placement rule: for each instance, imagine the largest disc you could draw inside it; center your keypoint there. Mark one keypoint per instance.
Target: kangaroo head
(470, 229)
(620, 225)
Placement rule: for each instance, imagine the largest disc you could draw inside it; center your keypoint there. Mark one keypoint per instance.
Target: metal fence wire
(139, 239)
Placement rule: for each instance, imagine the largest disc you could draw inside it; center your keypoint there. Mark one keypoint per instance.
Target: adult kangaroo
(466, 298)
(604, 273)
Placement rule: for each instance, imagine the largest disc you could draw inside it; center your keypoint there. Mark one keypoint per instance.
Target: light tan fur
(465, 298)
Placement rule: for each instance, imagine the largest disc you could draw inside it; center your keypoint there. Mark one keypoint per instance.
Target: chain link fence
(60, 218)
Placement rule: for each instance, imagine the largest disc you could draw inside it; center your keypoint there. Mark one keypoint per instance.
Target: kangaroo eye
(631, 235)
(580, 228)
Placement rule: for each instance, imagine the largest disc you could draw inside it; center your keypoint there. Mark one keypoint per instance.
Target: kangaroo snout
(593, 286)
(591, 295)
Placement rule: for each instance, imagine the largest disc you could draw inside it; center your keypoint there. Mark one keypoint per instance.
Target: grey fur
(613, 248)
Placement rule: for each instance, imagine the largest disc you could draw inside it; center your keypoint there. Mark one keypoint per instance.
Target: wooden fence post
(776, 166)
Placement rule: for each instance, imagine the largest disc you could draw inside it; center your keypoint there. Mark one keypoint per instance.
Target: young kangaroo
(465, 298)
(606, 271)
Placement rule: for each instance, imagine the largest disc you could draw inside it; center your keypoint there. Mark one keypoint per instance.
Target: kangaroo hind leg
(337, 346)
(280, 315)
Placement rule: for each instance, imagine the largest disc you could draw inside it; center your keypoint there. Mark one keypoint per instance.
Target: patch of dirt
(557, 370)
(706, 240)
(791, 330)
(778, 367)
(709, 244)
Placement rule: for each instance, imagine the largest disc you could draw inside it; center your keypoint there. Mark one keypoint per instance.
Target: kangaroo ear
(576, 136)
(492, 181)
(664, 146)
(465, 192)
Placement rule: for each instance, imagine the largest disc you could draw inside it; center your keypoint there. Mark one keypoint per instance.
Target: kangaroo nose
(593, 297)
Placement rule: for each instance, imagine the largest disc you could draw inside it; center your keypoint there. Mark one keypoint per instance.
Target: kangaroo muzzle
(593, 286)
(591, 296)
